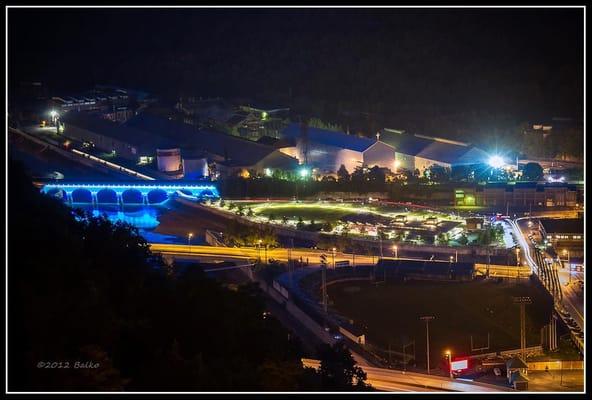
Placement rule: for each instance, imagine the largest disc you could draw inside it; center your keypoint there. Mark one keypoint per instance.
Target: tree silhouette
(338, 370)
(342, 174)
(532, 172)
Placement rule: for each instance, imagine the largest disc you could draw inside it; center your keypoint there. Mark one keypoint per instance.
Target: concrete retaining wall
(555, 365)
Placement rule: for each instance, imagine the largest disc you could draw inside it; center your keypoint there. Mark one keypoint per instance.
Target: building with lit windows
(520, 195)
(565, 235)
(327, 150)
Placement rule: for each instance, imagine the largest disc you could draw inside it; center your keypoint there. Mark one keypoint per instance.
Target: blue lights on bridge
(129, 193)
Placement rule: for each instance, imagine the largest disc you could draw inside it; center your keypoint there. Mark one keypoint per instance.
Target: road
(280, 254)
(573, 298)
(313, 257)
(400, 381)
(554, 279)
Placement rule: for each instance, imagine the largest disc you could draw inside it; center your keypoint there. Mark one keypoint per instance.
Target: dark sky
(517, 62)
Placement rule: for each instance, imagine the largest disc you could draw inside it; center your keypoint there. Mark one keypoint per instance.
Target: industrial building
(328, 150)
(523, 195)
(419, 152)
(396, 150)
(227, 155)
(109, 102)
(566, 235)
(127, 142)
(249, 121)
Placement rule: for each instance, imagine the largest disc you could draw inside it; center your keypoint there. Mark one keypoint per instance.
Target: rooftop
(235, 150)
(327, 137)
(131, 135)
(437, 149)
(516, 362)
(567, 225)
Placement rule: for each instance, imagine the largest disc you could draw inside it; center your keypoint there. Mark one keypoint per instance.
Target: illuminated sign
(458, 365)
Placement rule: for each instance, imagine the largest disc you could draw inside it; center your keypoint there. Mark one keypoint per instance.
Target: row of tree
(92, 292)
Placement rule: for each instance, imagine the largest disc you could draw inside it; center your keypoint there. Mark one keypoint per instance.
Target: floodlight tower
(522, 301)
(427, 319)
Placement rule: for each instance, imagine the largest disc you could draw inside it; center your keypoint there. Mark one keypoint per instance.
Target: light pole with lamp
(566, 252)
(259, 249)
(449, 357)
(333, 251)
(427, 319)
(54, 115)
(189, 236)
(266, 253)
(517, 256)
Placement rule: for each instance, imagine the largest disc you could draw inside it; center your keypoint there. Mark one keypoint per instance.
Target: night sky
(400, 66)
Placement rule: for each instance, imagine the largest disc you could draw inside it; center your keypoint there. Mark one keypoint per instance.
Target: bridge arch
(132, 196)
(206, 193)
(186, 192)
(156, 196)
(107, 196)
(58, 193)
(82, 195)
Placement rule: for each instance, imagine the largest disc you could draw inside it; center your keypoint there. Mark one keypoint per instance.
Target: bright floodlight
(304, 172)
(496, 161)
(53, 113)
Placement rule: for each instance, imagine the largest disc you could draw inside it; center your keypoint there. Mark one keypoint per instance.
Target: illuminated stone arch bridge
(138, 192)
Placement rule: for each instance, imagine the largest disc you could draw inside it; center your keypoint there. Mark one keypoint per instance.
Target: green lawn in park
(331, 212)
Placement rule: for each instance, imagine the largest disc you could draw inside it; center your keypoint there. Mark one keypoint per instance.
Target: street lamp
(333, 250)
(259, 249)
(566, 252)
(427, 319)
(517, 256)
(496, 161)
(189, 236)
(449, 357)
(451, 258)
(53, 114)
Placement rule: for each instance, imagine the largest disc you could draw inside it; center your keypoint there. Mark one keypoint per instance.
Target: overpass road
(310, 255)
(567, 297)
(400, 381)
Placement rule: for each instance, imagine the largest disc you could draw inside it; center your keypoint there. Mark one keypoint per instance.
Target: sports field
(390, 313)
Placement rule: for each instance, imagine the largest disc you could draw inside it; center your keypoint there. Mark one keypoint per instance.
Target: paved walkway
(553, 381)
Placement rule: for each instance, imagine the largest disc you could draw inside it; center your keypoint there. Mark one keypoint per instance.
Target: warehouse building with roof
(328, 150)
(230, 155)
(127, 142)
(420, 152)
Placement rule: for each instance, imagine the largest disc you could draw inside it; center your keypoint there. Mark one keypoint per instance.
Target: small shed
(474, 223)
(518, 381)
(516, 371)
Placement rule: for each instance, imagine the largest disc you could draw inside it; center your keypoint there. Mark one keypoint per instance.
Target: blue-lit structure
(137, 192)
